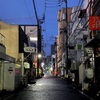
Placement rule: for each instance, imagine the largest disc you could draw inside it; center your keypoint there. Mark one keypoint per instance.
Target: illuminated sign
(94, 22)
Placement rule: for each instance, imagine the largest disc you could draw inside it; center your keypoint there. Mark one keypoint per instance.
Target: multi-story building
(76, 42)
(86, 41)
(93, 42)
(61, 39)
(77, 39)
(13, 40)
(31, 32)
(34, 40)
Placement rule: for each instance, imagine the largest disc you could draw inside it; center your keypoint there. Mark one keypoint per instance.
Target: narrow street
(49, 88)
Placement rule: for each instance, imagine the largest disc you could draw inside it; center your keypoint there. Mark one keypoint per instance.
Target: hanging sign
(94, 22)
(29, 49)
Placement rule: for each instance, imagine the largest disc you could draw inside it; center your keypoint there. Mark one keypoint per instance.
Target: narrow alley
(49, 88)
(49, 49)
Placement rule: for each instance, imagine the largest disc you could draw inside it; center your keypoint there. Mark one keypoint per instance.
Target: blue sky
(22, 12)
(17, 12)
(51, 26)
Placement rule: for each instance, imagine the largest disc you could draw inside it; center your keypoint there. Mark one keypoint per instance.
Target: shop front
(95, 44)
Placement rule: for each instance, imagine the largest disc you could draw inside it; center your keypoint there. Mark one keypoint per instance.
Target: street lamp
(39, 56)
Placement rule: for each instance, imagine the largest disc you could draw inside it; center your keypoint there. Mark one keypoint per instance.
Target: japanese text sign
(94, 22)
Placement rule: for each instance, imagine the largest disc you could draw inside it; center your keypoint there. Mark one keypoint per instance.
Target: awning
(94, 42)
(5, 57)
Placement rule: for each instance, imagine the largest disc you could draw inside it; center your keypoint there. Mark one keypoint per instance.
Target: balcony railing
(2, 39)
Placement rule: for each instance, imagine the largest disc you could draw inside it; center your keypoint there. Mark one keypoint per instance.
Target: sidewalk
(4, 94)
(88, 94)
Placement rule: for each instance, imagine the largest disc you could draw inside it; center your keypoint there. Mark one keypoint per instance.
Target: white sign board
(29, 49)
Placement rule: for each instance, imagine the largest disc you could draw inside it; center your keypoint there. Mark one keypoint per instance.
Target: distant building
(52, 49)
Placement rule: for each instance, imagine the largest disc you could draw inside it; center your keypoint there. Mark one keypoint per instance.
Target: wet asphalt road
(49, 88)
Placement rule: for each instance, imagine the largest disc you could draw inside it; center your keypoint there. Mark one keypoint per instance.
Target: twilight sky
(21, 12)
(50, 26)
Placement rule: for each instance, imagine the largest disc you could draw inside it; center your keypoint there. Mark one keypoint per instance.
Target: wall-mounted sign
(94, 22)
(29, 49)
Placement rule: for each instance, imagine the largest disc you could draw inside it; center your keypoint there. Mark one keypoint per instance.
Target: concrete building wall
(61, 42)
(61, 28)
(11, 38)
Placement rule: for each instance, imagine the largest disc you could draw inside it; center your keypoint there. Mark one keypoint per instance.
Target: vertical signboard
(94, 22)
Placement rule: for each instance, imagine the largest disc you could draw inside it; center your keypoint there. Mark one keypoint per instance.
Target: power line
(28, 10)
(52, 3)
(84, 26)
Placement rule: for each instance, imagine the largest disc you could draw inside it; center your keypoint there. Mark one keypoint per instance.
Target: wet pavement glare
(49, 88)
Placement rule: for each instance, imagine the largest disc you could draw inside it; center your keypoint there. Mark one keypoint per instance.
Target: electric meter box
(9, 76)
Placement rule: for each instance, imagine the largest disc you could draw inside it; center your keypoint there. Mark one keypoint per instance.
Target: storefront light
(42, 64)
(33, 38)
(51, 68)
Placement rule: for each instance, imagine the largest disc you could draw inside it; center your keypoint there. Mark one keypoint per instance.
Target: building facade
(61, 39)
(85, 40)
(12, 64)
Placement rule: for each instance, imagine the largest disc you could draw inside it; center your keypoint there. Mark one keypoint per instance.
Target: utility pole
(39, 38)
(39, 49)
(66, 63)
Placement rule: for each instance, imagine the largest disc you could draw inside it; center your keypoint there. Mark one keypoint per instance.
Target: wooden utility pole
(39, 38)
(66, 63)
